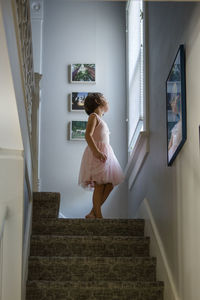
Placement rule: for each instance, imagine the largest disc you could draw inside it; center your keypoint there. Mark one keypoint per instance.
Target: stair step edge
(93, 237)
(88, 258)
(96, 283)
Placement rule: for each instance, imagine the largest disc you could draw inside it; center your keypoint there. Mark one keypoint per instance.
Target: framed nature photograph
(176, 106)
(77, 101)
(77, 130)
(83, 73)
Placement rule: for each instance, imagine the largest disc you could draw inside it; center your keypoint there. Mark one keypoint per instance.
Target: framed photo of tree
(176, 106)
(77, 100)
(83, 73)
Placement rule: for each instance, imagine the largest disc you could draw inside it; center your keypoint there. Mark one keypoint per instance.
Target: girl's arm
(92, 122)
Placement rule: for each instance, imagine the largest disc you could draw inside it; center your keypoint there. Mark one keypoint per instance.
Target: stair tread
(91, 268)
(45, 195)
(93, 258)
(100, 283)
(56, 245)
(104, 220)
(72, 290)
(86, 237)
(109, 227)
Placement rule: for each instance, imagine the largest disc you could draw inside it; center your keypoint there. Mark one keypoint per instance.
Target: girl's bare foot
(90, 216)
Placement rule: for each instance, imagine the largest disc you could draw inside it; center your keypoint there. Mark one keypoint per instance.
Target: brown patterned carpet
(88, 258)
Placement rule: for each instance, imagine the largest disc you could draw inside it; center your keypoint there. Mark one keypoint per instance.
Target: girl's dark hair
(92, 101)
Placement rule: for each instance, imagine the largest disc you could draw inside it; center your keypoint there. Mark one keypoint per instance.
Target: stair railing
(3, 217)
(30, 81)
(17, 161)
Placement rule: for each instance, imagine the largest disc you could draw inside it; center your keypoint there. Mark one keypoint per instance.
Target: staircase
(88, 258)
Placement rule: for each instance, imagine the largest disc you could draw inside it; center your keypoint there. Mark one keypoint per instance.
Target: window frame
(140, 148)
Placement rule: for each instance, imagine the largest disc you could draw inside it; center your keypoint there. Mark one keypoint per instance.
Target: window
(135, 71)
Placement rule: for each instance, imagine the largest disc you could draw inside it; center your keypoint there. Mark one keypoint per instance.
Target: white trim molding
(26, 249)
(11, 153)
(61, 215)
(137, 158)
(157, 250)
(12, 195)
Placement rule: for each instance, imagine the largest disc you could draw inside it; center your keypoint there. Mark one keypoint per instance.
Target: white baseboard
(61, 215)
(157, 250)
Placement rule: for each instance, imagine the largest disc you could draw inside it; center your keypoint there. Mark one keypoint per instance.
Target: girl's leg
(97, 198)
(106, 192)
(91, 214)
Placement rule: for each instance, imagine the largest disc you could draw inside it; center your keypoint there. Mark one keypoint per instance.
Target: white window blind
(135, 70)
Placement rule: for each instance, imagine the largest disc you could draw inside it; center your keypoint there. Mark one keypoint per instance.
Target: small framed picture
(77, 101)
(176, 106)
(83, 73)
(77, 130)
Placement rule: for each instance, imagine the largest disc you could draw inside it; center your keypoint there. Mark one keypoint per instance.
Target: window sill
(137, 158)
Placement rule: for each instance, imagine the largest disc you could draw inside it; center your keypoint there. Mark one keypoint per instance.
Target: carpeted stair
(88, 258)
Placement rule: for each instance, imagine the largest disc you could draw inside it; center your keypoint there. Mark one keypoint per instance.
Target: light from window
(135, 74)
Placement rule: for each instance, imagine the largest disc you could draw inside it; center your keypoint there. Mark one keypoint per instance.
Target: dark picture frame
(176, 106)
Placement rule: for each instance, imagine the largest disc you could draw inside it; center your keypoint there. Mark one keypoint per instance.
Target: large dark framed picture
(176, 106)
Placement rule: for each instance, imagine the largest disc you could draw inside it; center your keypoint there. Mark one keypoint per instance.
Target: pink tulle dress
(92, 169)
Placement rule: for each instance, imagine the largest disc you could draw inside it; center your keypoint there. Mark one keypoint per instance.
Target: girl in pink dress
(100, 170)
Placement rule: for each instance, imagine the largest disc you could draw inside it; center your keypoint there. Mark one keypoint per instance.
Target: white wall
(173, 193)
(81, 32)
(10, 134)
(11, 161)
(13, 121)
